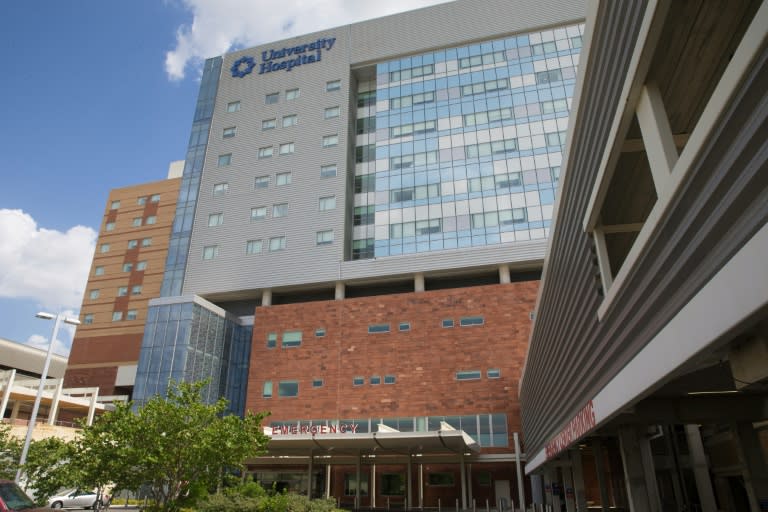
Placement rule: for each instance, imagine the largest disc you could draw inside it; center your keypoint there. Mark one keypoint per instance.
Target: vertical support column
(421, 485)
(327, 481)
(418, 282)
(341, 290)
(11, 375)
(15, 411)
(266, 297)
(92, 407)
(504, 275)
(463, 483)
(597, 450)
(568, 494)
(755, 469)
(409, 484)
(537, 489)
(657, 135)
(309, 476)
(639, 495)
(518, 465)
(357, 480)
(700, 469)
(372, 486)
(548, 486)
(53, 412)
(470, 497)
(579, 491)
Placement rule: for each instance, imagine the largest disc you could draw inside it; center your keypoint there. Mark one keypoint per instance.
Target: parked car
(13, 499)
(76, 498)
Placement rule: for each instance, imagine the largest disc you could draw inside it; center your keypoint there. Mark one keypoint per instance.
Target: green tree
(10, 452)
(48, 467)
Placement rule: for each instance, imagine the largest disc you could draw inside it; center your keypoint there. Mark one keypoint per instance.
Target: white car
(76, 498)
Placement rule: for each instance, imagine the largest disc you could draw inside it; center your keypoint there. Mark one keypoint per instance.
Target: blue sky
(99, 94)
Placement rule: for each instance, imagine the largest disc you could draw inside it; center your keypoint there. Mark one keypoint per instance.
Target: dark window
(364, 215)
(392, 484)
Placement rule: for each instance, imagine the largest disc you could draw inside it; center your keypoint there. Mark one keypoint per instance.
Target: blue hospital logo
(243, 66)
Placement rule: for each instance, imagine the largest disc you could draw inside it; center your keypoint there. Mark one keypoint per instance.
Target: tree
(10, 452)
(48, 467)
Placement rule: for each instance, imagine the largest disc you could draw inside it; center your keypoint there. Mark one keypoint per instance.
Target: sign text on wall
(583, 422)
(285, 58)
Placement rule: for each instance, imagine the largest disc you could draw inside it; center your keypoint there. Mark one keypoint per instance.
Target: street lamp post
(43, 376)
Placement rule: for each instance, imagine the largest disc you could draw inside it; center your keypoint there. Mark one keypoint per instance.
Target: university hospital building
(479, 254)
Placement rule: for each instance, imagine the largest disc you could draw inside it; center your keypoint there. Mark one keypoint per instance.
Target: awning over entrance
(436, 442)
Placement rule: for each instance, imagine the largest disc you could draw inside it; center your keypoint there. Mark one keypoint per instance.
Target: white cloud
(45, 265)
(219, 26)
(64, 336)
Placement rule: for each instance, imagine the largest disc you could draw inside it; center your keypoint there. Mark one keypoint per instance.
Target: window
(325, 237)
(362, 249)
(350, 484)
(555, 138)
(277, 243)
(328, 171)
(375, 380)
(291, 120)
(482, 87)
(233, 106)
(418, 228)
(98, 271)
(327, 203)
(468, 375)
(141, 265)
(265, 152)
(448, 322)
(333, 85)
(141, 201)
(546, 77)
(132, 244)
(220, 189)
(259, 213)
(114, 205)
(414, 72)
(365, 183)
(104, 248)
(267, 389)
(330, 141)
(268, 124)
(405, 130)
(490, 116)
(215, 219)
(482, 60)
(331, 112)
(280, 210)
(94, 294)
(365, 153)
(154, 198)
(317, 383)
(468, 321)
(376, 328)
(146, 242)
(210, 252)
(576, 42)
(358, 381)
(550, 107)
(272, 98)
(392, 484)
(414, 160)
(136, 289)
(440, 479)
(225, 160)
(493, 373)
(150, 220)
(229, 132)
(127, 267)
(292, 94)
(261, 182)
(404, 326)
(291, 339)
(117, 316)
(283, 178)
(253, 246)
(271, 340)
(131, 314)
(288, 388)
(498, 147)
(109, 226)
(389, 379)
(88, 319)
(364, 215)
(541, 49)
(366, 125)
(136, 222)
(366, 99)
(286, 148)
(320, 332)
(408, 101)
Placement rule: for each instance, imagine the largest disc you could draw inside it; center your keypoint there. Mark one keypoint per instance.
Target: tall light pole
(33, 418)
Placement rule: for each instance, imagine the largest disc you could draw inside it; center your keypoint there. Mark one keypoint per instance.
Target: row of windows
(132, 244)
(277, 243)
(282, 178)
(290, 388)
(137, 222)
(491, 373)
(326, 203)
(287, 121)
(290, 95)
(466, 321)
(141, 201)
(122, 291)
(117, 316)
(291, 338)
(286, 148)
(374, 380)
(127, 267)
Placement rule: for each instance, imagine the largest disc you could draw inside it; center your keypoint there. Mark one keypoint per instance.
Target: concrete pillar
(642, 495)
(372, 486)
(92, 407)
(409, 484)
(309, 475)
(519, 469)
(700, 468)
(327, 481)
(266, 297)
(8, 376)
(568, 493)
(418, 282)
(504, 276)
(755, 469)
(421, 485)
(463, 483)
(15, 411)
(341, 290)
(357, 481)
(579, 490)
(537, 489)
(53, 412)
